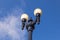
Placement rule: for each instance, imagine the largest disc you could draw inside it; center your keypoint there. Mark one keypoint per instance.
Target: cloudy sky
(10, 23)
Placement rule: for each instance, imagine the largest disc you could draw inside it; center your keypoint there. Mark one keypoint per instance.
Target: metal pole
(29, 35)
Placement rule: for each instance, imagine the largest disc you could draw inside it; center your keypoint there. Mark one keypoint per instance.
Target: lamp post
(30, 24)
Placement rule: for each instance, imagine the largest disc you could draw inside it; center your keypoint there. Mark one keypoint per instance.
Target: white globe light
(24, 16)
(38, 10)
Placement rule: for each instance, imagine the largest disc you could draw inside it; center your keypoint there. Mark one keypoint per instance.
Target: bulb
(24, 16)
(37, 11)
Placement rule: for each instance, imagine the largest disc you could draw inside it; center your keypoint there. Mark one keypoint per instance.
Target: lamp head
(37, 11)
(24, 17)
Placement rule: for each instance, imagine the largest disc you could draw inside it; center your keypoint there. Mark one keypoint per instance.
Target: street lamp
(30, 23)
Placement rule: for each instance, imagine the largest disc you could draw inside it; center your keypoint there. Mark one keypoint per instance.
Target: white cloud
(11, 26)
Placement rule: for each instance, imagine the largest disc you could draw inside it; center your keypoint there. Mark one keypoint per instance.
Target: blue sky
(49, 28)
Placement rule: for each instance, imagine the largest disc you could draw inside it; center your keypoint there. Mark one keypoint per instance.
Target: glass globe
(38, 10)
(24, 16)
